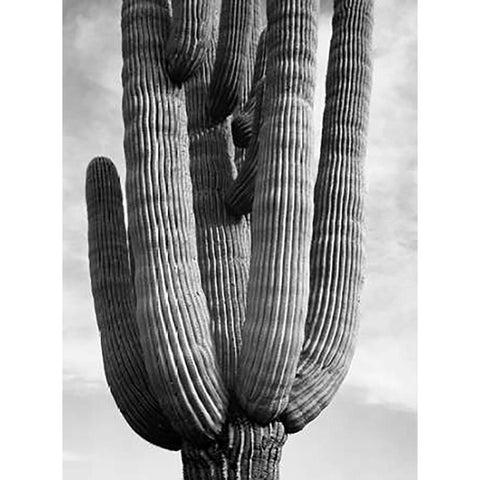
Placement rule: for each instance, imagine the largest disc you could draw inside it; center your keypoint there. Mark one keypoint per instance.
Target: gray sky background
(369, 432)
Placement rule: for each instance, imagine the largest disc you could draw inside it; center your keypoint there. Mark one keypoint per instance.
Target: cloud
(69, 456)
(82, 364)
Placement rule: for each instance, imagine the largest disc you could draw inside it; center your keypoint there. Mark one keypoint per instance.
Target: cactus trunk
(244, 450)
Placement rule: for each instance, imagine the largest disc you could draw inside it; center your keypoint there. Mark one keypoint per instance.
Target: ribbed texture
(233, 43)
(190, 32)
(223, 243)
(172, 313)
(282, 215)
(337, 246)
(243, 122)
(243, 451)
(112, 290)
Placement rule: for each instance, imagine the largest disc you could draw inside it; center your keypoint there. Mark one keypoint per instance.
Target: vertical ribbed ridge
(233, 44)
(190, 32)
(337, 246)
(172, 312)
(112, 290)
(282, 214)
(243, 121)
(243, 451)
(223, 243)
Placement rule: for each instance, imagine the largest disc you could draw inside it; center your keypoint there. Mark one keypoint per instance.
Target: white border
(31, 246)
(449, 219)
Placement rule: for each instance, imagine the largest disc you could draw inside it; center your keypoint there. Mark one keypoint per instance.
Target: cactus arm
(171, 310)
(243, 122)
(282, 215)
(233, 41)
(337, 245)
(112, 290)
(223, 242)
(191, 29)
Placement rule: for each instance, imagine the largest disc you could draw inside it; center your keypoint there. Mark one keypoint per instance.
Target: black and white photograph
(240, 239)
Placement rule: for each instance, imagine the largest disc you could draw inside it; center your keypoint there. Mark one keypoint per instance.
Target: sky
(369, 430)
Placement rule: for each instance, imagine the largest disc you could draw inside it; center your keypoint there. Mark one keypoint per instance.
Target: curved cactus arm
(337, 245)
(243, 122)
(223, 242)
(191, 29)
(112, 290)
(282, 215)
(233, 43)
(171, 310)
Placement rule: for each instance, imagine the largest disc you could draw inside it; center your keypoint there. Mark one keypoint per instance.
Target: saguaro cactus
(227, 310)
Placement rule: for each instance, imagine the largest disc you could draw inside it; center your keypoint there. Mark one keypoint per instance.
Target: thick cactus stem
(112, 289)
(229, 70)
(190, 32)
(172, 311)
(282, 215)
(337, 245)
(243, 451)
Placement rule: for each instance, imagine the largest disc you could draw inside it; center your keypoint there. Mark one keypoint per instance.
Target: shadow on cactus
(227, 309)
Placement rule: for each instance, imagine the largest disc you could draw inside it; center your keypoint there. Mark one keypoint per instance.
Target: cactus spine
(204, 349)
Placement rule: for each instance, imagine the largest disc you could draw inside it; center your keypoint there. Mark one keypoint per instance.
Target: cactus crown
(235, 287)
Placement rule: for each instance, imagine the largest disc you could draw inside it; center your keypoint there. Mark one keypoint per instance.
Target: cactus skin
(256, 450)
(204, 350)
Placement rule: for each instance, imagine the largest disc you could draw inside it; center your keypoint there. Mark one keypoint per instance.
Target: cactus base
(244, 451)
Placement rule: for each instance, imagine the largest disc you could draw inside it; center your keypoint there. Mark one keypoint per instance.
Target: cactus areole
(227, 309)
